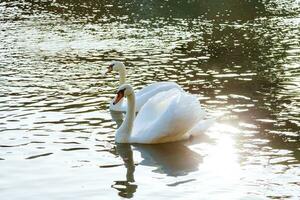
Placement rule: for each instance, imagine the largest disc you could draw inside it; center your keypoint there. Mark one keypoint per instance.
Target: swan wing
(155, 86)
(166, 117)
(143, 95)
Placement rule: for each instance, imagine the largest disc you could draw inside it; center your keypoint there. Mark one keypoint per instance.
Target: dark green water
(240, 58)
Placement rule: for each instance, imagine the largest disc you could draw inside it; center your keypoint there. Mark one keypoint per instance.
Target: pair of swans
(142, 95)
(166, 112)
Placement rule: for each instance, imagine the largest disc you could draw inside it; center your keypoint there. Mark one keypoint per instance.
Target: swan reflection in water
(126, 187)
(172, 159)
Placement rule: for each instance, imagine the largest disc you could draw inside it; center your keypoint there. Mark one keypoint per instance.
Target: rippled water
(240, 58)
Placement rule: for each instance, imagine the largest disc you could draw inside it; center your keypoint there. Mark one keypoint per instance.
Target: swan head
(123, 91)
(115, 66)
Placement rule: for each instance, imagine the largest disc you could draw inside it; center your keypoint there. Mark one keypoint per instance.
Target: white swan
(142, 95)
(169, 116)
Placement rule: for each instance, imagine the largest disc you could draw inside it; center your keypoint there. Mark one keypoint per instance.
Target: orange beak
(119, 96)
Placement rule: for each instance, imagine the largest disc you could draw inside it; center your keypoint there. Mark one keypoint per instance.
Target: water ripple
(241, 61)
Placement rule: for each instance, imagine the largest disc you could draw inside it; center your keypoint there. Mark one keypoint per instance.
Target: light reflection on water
(57, 135)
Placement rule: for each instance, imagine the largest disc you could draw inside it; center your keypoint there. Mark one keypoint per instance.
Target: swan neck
(125, 130)
(122, 73)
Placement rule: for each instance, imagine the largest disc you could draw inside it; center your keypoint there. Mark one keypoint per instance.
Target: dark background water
(241, 59)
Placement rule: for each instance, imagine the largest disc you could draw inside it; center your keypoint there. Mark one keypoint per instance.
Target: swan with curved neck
(124, 131)
(142, 95)
(166, 117)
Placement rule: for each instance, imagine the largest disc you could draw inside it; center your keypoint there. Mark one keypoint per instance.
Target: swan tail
(201, 127)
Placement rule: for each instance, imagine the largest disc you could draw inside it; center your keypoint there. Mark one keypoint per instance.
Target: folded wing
(167, 117)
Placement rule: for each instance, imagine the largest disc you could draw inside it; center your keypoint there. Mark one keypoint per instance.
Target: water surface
(240, 58)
